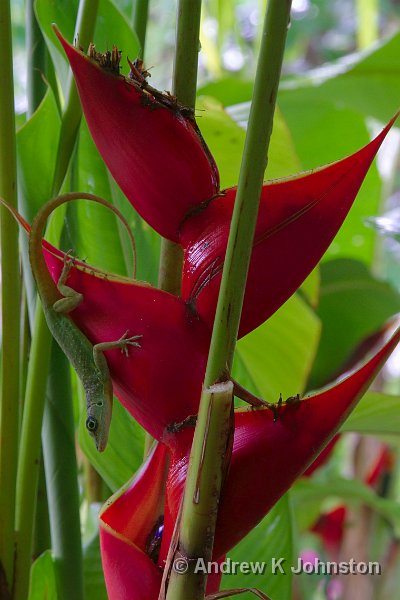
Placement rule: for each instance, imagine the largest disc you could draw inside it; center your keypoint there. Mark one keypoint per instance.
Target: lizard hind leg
(72, 298)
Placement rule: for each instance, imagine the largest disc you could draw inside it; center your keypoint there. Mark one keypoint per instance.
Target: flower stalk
(196, 541)
(140, 13)
(9, 399)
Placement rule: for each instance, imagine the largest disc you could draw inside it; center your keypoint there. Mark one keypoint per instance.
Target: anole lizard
(58, 300)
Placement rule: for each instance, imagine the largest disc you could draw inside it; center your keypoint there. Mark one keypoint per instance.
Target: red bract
(127, 523)
(269, 455)
(153, 149)
(157, 156)
(298, 219)
(160, 382)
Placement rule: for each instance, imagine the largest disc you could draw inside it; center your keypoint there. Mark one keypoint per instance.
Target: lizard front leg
(123, 343)
(72, 298)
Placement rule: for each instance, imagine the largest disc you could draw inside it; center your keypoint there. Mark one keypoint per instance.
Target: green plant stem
(30, 452)
(29, 457)
(85, 25)
(36, 60)
(62, 480)
(184, 88)
(368, 22)
(140, 15)
(9, 398)
(195, 537)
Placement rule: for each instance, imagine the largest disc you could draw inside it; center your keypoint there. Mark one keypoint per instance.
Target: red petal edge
(297, 221)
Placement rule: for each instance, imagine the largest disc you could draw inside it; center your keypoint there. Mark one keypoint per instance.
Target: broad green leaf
(42, 584)
(124, 452)
(271, 540)
(276, 357)
(90, 223)
(376, 413)
(111, 28)
(367, 81)
(353, 492)
(353, 305)
(37, 142)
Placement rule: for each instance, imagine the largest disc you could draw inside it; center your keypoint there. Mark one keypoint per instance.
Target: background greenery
(341, 82)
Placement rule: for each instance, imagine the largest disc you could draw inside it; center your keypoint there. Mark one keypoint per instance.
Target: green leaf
(353, 305)
(43, 580)
(111, 28)
(225, 137)
(376, 413)
(277, 356)
(271, 539)
(37, 142)
(124, 452)
(368, 82)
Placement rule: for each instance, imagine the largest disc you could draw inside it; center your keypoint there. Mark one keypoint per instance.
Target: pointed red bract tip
(269, 455)
(150, 143)
(297, 221)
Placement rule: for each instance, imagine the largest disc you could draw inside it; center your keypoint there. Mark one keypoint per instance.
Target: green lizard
(58, 300)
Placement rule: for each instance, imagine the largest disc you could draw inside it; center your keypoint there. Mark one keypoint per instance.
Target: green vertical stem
(41, 536)
(184, 88)
(195, 532)
(36, 59)
(10, 295)
(38, 64)
(84, 31)
(140, 15)
(62, 480)
(30, 452)
(368, 22)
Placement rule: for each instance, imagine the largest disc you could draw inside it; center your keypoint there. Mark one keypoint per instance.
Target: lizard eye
(91, 424)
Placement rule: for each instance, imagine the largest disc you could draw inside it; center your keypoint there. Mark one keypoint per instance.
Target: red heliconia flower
(268, 455)
(158, 157)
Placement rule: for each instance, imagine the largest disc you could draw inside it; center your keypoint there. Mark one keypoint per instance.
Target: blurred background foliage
(341, 82)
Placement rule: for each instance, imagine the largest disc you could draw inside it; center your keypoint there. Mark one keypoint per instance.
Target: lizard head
(98, 423)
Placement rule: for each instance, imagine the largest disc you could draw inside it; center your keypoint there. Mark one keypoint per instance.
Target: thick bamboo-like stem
(62, 481)
(30, 452)
(140, 15)
(196, 540)
(184, 88)
(9, 398)
(368, 22)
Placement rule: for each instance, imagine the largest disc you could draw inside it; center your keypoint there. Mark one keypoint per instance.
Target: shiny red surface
(156, 155)
(297, 221)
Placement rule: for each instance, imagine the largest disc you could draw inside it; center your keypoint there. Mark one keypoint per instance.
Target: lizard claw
(125, 341)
